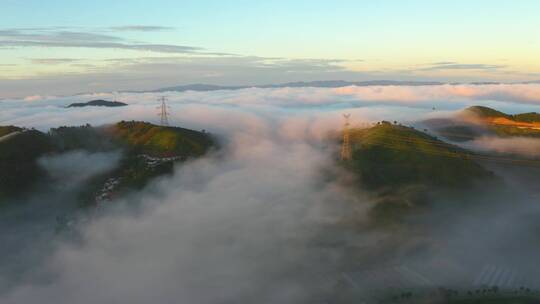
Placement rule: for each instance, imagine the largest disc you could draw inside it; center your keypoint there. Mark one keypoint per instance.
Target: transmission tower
(163, 111)
(346, 152)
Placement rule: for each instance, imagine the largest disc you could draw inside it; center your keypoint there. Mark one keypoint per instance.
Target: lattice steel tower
(346, 152)
(164, 111)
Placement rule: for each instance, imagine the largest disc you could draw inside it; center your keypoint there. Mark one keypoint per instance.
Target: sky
(67, 47)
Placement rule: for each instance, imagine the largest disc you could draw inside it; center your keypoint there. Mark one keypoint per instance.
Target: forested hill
(143, 145)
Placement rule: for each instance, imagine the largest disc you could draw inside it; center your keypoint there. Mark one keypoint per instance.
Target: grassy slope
(5, 130)
(389, 155)
(511, 131)
(483, 112)
(403, 166)
(458, 133)
(508, 129)
(161, 141)
(486, 112)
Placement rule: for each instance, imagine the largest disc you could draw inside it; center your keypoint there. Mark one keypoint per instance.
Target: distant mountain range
(318, 84)
(300, 84)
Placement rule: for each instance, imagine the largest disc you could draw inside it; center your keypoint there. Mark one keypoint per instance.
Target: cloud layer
(529, 147)
(268, 219)
(315, 107)
(68, 38)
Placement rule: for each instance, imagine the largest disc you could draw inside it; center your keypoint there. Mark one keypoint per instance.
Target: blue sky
(243, 42)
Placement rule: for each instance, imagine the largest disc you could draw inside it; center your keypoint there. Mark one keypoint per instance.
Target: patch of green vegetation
(527, 117)
(486, 112)
(458, 133)
(403, 167)
(510, 131)
(389, 156)
(83, 137)
(481, 111)
(161, 141)
(5, 130)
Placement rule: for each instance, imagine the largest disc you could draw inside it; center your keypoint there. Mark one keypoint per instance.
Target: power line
(346, 152)
(164, 111)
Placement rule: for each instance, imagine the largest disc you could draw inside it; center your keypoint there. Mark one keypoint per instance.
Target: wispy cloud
(53, 37)
(444, 62)
(140, 28)
(52, 60)
(153, 72)
(449, 65)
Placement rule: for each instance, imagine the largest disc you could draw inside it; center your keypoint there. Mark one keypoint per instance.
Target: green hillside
(403, 167)
(485, 112)
(135, 137)
(389, 155)
(5, 130)
(148, 151)
(525, 124)
(487, 122)
(458, 133)
(83, 137)
(511, 131)
(160, 141)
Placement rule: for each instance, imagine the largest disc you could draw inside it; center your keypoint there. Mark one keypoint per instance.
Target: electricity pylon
(164, 111)
(346, 152)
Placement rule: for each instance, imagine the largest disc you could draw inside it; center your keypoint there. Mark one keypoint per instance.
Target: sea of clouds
(261, 220)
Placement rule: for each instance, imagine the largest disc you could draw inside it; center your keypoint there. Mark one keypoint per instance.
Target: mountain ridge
(148, 151)
(199, 87)
(299, 84)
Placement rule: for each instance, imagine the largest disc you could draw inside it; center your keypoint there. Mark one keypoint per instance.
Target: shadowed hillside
(18, 167)
(5, 130)
(148, 151)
